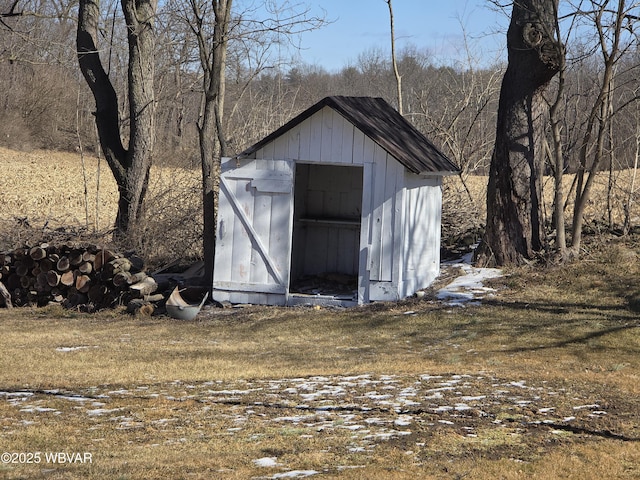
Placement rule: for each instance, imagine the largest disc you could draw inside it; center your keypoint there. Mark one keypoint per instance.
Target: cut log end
(5, 296)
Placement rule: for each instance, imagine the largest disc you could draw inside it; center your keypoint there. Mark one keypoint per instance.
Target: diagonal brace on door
(255, 238)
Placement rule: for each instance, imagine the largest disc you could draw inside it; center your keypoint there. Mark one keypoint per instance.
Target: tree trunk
(515, 230)
(557, 160)
(211, 135)
(396, 72)
(140, 18)
(130, 167)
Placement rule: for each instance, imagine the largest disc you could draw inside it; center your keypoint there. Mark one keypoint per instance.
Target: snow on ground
(296, 474)
(468, 288)
(370, 409)
(266, 462)
(74, 349)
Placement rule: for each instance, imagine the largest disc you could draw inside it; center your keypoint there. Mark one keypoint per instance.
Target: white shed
(341, 205)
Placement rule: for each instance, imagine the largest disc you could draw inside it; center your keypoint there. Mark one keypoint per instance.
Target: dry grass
(463, 209)
(541, 381)
(49, 190)
(49, 187)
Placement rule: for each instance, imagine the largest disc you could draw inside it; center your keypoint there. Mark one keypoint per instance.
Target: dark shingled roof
(384, 125)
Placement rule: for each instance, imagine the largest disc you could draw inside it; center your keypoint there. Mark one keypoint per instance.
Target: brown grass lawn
(540, 381)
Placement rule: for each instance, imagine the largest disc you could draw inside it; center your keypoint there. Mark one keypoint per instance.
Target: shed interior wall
(327, 220)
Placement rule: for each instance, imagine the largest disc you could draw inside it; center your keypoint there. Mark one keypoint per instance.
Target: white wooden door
(255, 218)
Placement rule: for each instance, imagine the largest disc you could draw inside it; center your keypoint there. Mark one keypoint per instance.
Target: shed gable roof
(384, 125)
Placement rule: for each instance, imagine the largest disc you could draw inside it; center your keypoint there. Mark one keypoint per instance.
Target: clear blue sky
(435, 25)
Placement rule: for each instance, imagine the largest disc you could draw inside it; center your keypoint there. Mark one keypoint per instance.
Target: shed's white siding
(326, 137)
(420, 255)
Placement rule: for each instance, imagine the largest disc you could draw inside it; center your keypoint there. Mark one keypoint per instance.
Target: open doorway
(326, 230)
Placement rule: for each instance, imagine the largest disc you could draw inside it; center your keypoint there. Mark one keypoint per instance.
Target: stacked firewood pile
(86, 278)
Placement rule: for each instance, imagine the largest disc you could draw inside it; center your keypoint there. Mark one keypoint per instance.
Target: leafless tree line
(453, 104)
(46, 104)
(593, 62)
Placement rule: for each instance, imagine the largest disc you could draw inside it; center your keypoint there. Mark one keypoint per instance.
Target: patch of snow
(376, 396)
(472, 399)
(408, 392)
(233, 392)
(376, 421)
(37, 409)
(356, 377)
(520, 384)
(74, 349)
(468, 288)
(294, 419)
(101, 411)
(352, 427)
(76, 398)
(441, 389)
(122, 391)
(163, 421)
(403, 420)
(16, 394)
(266, 462)
(442, 409)
(296, 474)
(356, 449)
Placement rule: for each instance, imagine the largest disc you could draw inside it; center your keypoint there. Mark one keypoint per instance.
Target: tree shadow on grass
(595, 433)
(605, 316)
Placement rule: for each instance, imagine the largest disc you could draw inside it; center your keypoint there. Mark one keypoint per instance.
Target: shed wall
(325, 137)
(421, 231)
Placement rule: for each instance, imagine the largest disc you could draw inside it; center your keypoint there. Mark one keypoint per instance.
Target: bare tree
(457, 107)
(556, 155)
(211, 134)
(514, 231)
(612, 25)
(129, 164)
(216, 25)
(38, 71)
(396, 72)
